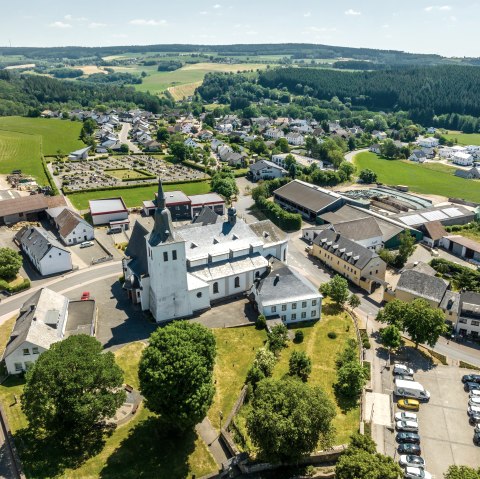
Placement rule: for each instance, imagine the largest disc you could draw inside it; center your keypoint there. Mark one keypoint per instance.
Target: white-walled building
(72, 228)
(176, 272)
(283, 293)
(266, 170)
(305, 161)
(274, 133)
(295, 139)
(44, 251)
(104, 211)
(428, 142)
(463, 159)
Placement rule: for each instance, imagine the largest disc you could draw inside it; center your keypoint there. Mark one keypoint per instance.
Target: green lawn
(427, 178)
(464, 138)
(125, 174)
(134, 196)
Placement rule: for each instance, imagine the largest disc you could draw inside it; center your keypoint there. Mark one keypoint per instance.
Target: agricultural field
(181, 91)
(429, 178)
(134, 197)
(463, 138)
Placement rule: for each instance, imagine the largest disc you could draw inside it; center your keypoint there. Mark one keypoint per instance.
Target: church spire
(163, 228)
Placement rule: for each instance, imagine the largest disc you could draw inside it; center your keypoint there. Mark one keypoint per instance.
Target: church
(176, 272)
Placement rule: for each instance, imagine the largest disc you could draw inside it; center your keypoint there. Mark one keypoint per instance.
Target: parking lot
(446, 435)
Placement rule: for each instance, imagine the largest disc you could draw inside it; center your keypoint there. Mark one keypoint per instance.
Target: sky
(448, 28)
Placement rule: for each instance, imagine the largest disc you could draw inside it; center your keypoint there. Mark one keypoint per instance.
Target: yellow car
(411, 404)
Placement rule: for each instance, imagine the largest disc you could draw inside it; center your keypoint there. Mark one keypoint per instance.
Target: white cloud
(71, 18)
(438, 8)
(68, 17)
(60, 25)
(148, 23)
(319, 29)
(386, 26)
(217, 5)
(251, 32)
(97, 25)
(353, 12)
(203, 12)
(119, 35)
(308, 14)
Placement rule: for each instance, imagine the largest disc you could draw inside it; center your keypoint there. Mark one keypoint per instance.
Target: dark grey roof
(422, 285)
(344, 248)
(137, 250)
(81, 318)
(309, 196)
(358, 230)
(470, 304)
(261, 164)
(268, 231)
(38, 241)
(206, 217)
(162, 231)
(283, 284)
(451, 301)
(419, 153)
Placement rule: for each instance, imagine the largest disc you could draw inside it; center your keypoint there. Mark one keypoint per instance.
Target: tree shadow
(151, 452)
(332, 309)
(345, 403)
(50, 455)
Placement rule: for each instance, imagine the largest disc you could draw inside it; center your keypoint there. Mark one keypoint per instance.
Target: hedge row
(275, 213)
(4, 286)
(49, 177)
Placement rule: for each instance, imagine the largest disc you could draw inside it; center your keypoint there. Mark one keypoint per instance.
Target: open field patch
(426, 178)
(464, 138)
(183, 91)
(126, 174)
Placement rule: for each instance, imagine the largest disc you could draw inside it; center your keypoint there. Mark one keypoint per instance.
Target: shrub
(332, 334)
(278, 338)
(261, 322)
(298, 336)
(265, 361)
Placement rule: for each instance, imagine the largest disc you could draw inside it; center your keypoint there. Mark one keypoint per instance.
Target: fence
(15, 465)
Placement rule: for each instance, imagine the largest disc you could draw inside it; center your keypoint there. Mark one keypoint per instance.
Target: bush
(298, 336)
(276, 214)
(265, 361)
(261, 322)
(332, 335)
(278, 338)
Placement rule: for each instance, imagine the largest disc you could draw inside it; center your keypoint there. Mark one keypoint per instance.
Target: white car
(405, 416)
(474, 401)
(402, 369)
(408, 426)
(86, 244)
(473, 409)
(411, 461)
(474, 393)
(416, 473)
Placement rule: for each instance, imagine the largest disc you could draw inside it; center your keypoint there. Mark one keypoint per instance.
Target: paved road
(351, 154)
(123, 138)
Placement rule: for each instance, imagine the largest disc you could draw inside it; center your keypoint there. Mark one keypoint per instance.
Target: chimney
(232, 215)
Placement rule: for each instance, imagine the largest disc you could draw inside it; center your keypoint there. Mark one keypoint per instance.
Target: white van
(411, 389)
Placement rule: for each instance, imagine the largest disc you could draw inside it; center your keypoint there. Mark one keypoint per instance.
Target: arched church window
(215, 288)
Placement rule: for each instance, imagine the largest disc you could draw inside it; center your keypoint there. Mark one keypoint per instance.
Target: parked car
(474, 418)
(473, 409)
(409, 426)
(410, 449)
(471, 386)
(474, 401)
(476, 438)
(410, 437)
(405, 416)
(412, 461)
(477, 428)
(402, 369)
(404, 377)
(474, 393)
(86, 244)
(416, 473)
(412, 404)
(85, 296)
(471, 378)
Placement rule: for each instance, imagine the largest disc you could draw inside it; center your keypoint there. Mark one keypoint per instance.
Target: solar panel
(434, 215)
(412, 220)
(452, 212)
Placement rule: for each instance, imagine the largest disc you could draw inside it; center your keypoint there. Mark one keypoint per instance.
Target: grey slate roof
(344, 248)
(358, 230)
(422, 285)
(68, 220)
(38, 241)
(206, 217)
(269, 232)
(470, 304)
(261, 164)
(451, 301)
(137, 250)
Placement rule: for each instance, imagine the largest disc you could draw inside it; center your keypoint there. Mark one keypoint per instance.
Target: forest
(29, 94)
(422, 91)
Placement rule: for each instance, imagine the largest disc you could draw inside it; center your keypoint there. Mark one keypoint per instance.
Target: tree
(351, 378)
(162, 134)
(347, 168)
(277, 338)
(388, 149)
(224, 184)
(258, 146)
(462, 472)
(72, 388)
(282, 143)
(176, 374)
(124, 148)
(391, 337)
(337, 289)
(265, 361)
(354, 301)
(361, 461)
(368, 176)
(300, 365)
(392, 313)
(352, 144)
(261, 322)
(288, 418)
(406, 247)
(89, 126)
(178, 150)
(10, 263)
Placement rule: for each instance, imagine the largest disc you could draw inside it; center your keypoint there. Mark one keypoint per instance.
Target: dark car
(471, 386)
(476, 438)
(471, 378)
(474, 418)
(410, 437)
(409, 449)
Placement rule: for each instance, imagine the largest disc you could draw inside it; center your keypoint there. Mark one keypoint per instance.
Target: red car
(85, 296)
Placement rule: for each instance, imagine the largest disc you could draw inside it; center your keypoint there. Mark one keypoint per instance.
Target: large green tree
(10, 263)
(360, 461)
(462, 472)
(391, 337)
(300, 365)
(176, 374)
(224, 184)
(288, 418)
(72, 388)
(337, 289)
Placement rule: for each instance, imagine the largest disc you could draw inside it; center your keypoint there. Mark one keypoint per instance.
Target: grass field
(126, 174)
(134, 196)
(428, 178)
(464, 138)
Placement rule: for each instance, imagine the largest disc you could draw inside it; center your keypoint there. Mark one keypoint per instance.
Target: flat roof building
(104, 211)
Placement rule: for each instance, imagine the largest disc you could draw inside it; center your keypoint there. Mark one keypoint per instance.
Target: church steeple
(163, 228)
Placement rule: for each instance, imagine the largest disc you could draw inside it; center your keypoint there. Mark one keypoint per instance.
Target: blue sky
(445, 27)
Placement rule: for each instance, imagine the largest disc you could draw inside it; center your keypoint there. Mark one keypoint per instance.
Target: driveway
(123, 138)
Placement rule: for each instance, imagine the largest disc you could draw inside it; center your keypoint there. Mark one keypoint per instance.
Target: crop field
(54, 134)
(464, 138)
(428, 178)
(181, 91)
(135, 196)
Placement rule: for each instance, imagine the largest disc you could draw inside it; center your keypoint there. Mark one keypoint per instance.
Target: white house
(295, 139)
(190, 142)
(418, 155)
(379, 135)
(266, 170)
(44, 251)
(44, 319)
(283, 293)
(274, 134)
(428, 142)
(375, 148)
(304, 161)
(177, 271)
(72, 228)
(464, 159)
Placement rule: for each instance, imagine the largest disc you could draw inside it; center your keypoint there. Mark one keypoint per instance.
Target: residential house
(283, 293)
(471, 174)
(44, 251)
(301, 160)
(379, 135)
(375, 148)
(191, 143)
(362, 266)
(274, 133)
(295, 139)
(418, 156)
(266, 170)
(72, 228)
(428, 142)
(205, 135)
(468, 315)
(463, 159)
